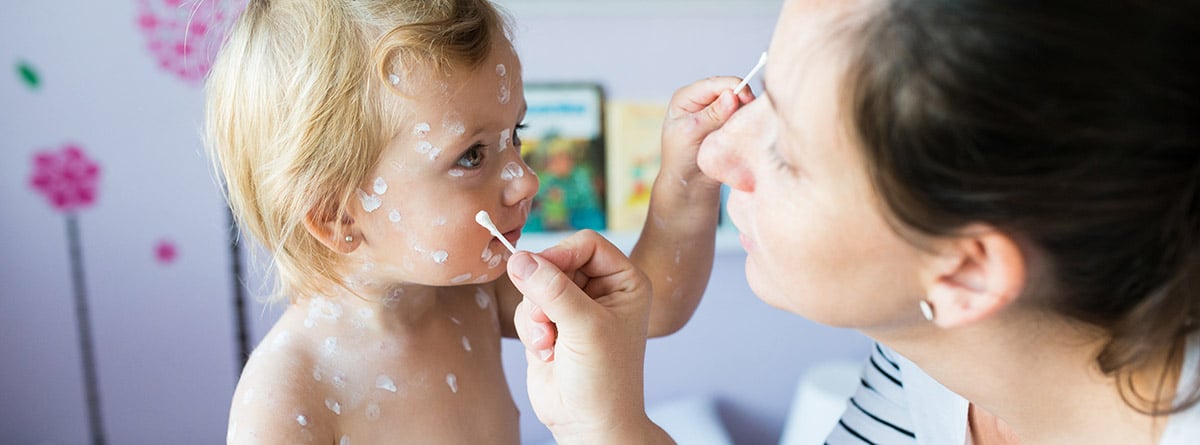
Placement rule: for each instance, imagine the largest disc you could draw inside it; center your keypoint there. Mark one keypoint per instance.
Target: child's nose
(721, 158)
(522, 187)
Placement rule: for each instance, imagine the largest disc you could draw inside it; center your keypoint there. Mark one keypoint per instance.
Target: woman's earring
(349, 239)
(926, 310)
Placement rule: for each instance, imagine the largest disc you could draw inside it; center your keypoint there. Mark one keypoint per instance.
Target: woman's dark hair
(1072, 124)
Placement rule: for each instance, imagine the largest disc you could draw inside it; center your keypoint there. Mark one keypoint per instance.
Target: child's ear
(337, 234)
(974, 277)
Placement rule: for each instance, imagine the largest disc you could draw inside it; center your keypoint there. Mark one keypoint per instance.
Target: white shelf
(593, 8)
(726, 241)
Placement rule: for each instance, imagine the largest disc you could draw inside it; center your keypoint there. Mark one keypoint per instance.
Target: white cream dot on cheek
(331, 345)
(487, 254)
(495, 261)
(421, 130)
(381, 186)
(501, 70)
(466, 344)
(461, 278)
(317, 374)
(303, 421)
(423, 147)
(457, 172)
(334, 406)
(452, 382)
(394, 216)
(369, 202)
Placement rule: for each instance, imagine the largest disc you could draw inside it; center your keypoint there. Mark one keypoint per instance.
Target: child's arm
(675, 248)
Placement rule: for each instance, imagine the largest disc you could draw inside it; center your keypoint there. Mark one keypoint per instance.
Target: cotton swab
(762, 60)
(486, 221)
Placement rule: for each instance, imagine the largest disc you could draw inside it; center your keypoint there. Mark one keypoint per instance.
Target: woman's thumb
(547, 287)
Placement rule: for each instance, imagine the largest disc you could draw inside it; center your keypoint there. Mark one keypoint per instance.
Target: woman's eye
(472, 159)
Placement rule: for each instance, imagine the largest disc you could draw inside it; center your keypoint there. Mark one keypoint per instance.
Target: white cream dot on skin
(394, 79)
(456, 321)
(466, 343)
(495, 261)
(482, 279)
(369, 202)
(424, 147)
(385, 383)
(440, 256)
(434, 153)
(334, 406)
(504, 95)
(303, 421)
(381, 186)
(452, 382)
(344, 441)
(457, 172)
(421, 130)
(394, 216)
(511, 171)
(317, 375)
(451, 123)
(486, 255)
(331, 345)
(482, 299)
(372, 411)
(501, 70)
(505, 138)
(439, 221)
(339, 380)
(461, 278)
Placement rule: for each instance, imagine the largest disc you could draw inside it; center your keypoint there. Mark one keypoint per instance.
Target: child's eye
(472, 159)
(517, 135)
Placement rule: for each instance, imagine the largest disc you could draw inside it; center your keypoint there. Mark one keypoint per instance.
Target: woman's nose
(722, 155)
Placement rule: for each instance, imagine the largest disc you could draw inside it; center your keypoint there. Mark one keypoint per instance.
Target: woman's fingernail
(523, 265)
(545, 354)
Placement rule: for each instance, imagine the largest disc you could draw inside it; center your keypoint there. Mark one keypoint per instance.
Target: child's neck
(394, 307)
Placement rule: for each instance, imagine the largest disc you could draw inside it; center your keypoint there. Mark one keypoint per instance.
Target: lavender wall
(163, 326)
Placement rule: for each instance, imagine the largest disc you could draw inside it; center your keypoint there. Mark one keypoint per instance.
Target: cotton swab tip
(485, 220)
(762, 60)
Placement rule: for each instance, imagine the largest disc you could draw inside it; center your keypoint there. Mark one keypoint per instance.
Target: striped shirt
(898, 404)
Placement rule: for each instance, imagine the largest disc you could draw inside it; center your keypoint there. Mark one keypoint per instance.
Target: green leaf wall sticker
(29, 75)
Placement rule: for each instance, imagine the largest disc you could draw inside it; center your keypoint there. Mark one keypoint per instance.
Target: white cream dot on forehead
(452, 123)
(504, 95)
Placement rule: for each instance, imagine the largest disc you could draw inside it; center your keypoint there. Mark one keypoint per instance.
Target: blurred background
(126, 311)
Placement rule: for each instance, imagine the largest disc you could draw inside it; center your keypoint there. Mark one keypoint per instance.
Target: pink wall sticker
(184, 35)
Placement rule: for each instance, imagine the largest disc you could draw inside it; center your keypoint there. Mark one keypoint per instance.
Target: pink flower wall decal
(166, 252)
(67, 178)
(184, 35)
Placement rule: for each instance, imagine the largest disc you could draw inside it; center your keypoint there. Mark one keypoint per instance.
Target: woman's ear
(974, 277)
(337, 234)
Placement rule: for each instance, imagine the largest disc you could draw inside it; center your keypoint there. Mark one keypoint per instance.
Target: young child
(357, 140)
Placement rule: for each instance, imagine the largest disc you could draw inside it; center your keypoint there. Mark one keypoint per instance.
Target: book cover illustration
(563, 142)
(633, 133)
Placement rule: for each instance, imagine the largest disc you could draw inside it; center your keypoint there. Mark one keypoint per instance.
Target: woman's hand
(583, 323)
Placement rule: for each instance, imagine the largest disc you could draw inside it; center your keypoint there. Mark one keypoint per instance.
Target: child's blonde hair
(301, 103)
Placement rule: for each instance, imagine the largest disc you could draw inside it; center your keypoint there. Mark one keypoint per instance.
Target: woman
(1005, 195)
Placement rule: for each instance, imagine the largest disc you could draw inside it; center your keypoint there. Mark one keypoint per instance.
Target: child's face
(456, 154)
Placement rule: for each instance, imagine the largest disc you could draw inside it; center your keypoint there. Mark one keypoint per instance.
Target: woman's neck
(1037, 374)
